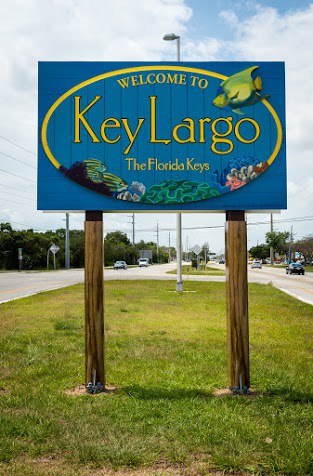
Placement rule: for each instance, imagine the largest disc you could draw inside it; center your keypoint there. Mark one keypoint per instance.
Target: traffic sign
(196, 249)
(54, 248)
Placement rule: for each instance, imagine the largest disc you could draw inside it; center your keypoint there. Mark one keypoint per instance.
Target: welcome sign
(161, 136)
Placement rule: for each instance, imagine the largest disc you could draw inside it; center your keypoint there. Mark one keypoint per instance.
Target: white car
(120, 265)
(256, 264)
(143, 262)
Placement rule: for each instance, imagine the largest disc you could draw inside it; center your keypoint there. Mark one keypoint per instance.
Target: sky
(129, 30)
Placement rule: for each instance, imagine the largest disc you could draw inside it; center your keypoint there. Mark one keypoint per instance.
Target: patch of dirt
(81, 390)
(4, 391)
(226, 392)
(49, 466)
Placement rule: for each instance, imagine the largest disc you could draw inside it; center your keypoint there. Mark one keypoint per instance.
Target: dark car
(295, 268)
(221, 261)
(120, 265)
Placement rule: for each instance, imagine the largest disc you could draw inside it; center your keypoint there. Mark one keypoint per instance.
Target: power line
(266, 222)
(284, 220)
(23, 178)
(14, 188)
(294, 195)
(17, 145)
(12, 201)
(17, 160)
(18, 196)
(309, 196)
(14, 222)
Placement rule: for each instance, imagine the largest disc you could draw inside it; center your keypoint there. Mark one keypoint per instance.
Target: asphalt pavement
(15, 285)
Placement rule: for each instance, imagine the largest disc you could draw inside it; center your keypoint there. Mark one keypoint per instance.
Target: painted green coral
(179, 191)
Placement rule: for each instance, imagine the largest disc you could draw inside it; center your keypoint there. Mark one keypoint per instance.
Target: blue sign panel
(161, 136)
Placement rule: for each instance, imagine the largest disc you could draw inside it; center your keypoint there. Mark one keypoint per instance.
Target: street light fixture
(179, 282)
(171, 37)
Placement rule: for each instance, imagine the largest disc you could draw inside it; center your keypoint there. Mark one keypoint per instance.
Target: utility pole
(187, 249)
(290, 243)
(271, 248)
(169, 246)
(133, 226)
(132, 222)
(157, 232)
(67, 242)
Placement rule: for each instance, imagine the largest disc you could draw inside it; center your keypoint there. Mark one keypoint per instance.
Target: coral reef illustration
(179, 191)
(93, 174)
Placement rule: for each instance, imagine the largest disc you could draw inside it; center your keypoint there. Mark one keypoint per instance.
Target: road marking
(304, 289)
(13, 290)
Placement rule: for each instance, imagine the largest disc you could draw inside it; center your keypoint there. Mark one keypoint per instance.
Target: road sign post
(235, 160)
(54, 249)
(237, 302)
(20, 258)
(94, 310)
(197, 250)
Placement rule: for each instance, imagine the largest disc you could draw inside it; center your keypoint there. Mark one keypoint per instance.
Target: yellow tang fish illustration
(240, 90)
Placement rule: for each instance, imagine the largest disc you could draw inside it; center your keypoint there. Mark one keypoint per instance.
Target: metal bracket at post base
(238, 391)
(97, 388)
(93, 387)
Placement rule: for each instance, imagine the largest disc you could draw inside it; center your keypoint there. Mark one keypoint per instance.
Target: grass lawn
(166, 353)
(209, 271)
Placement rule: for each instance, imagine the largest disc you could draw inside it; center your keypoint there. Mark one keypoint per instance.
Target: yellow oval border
(110, 74)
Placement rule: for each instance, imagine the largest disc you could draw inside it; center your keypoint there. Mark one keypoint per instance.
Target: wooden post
(237, 302)
(94, 320)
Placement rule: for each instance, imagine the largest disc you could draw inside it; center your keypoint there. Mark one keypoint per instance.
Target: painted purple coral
(78, 173)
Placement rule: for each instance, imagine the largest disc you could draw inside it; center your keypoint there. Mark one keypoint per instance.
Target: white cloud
(267, 35)
(77, 30)
(270, 36)
(66, 30)
(208, 49)
(229, 17)
(72, 30)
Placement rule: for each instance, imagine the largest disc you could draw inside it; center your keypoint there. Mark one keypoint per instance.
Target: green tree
(6, 246)
(117, 237)
(117, 246)
(305, 247)
(260, 251)
(77, 248)
(278, 240)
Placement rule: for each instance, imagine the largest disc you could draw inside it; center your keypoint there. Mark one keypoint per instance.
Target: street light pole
(271, 248)
(179, 282)
(178, 48)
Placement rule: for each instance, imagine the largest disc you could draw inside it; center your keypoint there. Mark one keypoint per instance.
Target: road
(14, 285)
(300, 287)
